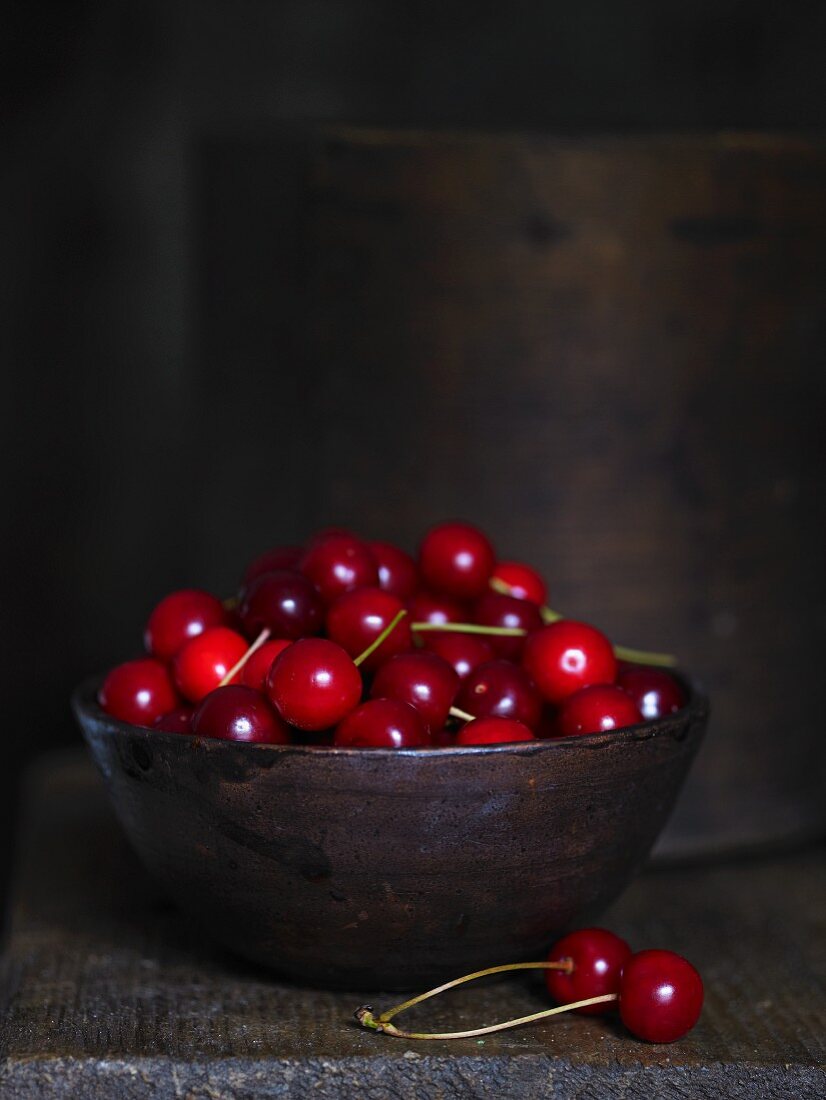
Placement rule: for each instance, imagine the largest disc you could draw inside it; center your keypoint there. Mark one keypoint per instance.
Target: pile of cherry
(354, 643)
(591, 971)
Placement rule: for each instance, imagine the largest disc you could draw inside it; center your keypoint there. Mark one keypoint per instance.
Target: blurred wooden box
(609, 352)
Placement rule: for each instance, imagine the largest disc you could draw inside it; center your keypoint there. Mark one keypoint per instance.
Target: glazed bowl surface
(392, 869)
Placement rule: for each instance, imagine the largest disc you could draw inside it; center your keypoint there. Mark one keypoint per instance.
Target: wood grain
(109, 992)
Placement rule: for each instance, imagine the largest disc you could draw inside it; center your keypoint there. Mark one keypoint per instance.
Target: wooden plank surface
(108, 991)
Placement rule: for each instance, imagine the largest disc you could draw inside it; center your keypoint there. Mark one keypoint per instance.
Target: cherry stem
(472, 628)
(463, 714)
(625, 653)
(374, 645)
(382, 1024)
(230, 603)
(236, 668)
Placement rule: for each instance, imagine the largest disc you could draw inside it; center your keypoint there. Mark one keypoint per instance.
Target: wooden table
(109, 992)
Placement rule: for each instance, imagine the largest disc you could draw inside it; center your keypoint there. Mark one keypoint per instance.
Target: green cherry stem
(239, 664)
(471, 628)
(374, 645)
(382, 1024)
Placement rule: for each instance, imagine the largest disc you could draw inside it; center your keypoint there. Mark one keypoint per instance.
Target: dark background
(158, 421)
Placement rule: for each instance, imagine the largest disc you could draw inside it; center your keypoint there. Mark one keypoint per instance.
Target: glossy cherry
(357, 618)
(428, 607)
(138, 691)
(597, 958)
(464, 652)
(313, 684)
(339, 563)
(382, 723)
(272, 561)
(204, 661)
(177, 720)
(502, 689)
(285, 603)
(567, 655)
(661, 996)
(655, 692)
(494, 609)
(239, 713)
(422, 680)
(457, 560)
(523, 581)
(596, 709)
(493, 731)
(397, 570)
(178, 617)
(254, 673)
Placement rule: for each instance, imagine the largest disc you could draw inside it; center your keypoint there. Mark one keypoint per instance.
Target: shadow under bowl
(392, 869)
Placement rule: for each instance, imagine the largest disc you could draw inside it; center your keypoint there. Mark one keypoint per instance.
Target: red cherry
(598, 957)
(138, 691)
(382, 723)
(357, 618)
(596, 709)
(254, 673)
(464, 652)
(661, 996)
(565, 656)
(494, 609)
(524, 583)
(397, 570)
(427, 607)
(501, 689)
(239, 713)
(339, 563)
(284, 603)
(655, 692)
(272, 561)
(456, 559)
(493, 731)
(313, 684)
(423, 681)
(204, 661)
(178, 720)
(178, 617)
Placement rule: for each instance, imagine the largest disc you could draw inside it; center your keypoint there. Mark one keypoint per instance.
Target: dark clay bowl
(375, 868)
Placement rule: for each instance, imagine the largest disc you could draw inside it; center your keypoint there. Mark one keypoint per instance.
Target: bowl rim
(85, 706)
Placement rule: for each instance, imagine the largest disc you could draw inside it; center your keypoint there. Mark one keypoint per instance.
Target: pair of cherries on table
(456, 648)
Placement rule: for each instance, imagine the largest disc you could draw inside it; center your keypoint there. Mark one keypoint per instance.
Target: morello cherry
(397, 570)
(596, 709)
(254, 673)
(239, 713)
(382, 723)
(178, 617)
(502, 689)
(339, 563)
(204, 661)
(138, 691)
(660, 996)
(655, 692)
(272, 561)
(357, 618)
(524, 583)
(313, 684)
(284, 603)
(428, 607)
(456, 559)
(567, 655)
(178, 720)
(494, 609)
(597, 958)
(464, 652)
(493, 731)
(423, 681)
